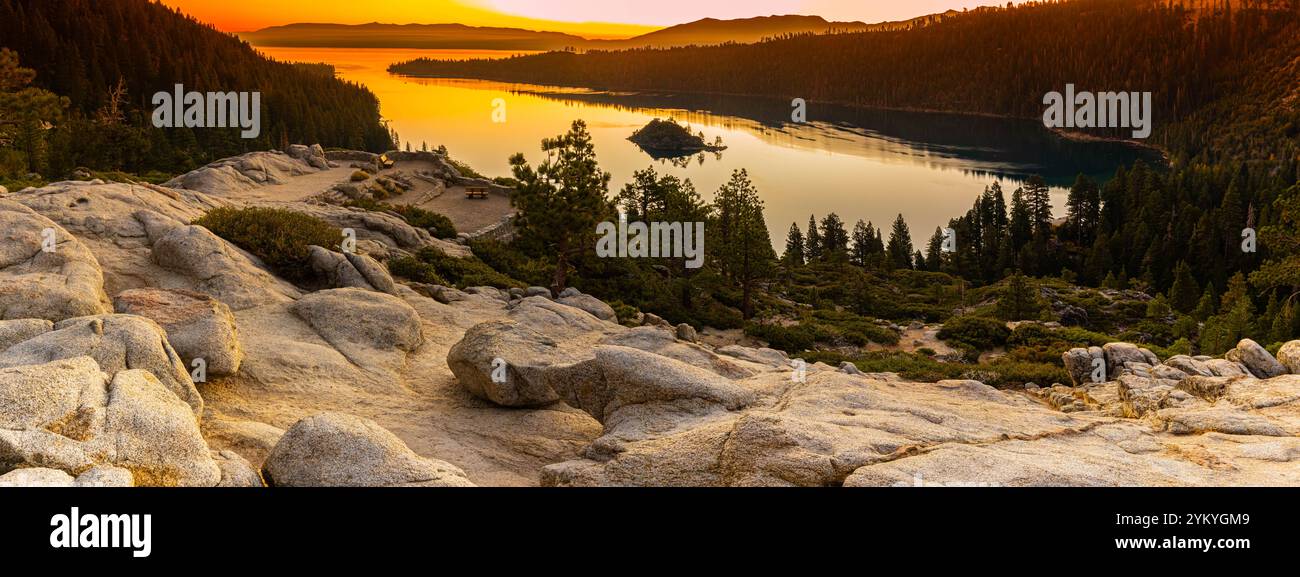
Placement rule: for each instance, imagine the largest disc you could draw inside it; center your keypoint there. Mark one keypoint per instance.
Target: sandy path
(469, 215)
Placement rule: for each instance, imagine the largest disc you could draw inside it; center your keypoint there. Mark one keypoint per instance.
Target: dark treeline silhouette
(1225, 66)
(109, 58)
(1180, 236)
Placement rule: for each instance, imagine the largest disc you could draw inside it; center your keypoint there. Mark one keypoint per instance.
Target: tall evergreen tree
(746, 253)
(814, 250)
(835, 239)
(934, 251)
(1184, 293)
(863, 239)
(561, 201)
(794, 246)
(899, 249)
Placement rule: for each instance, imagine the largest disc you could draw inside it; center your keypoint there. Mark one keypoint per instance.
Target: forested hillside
(1224, 82)
(109, 57)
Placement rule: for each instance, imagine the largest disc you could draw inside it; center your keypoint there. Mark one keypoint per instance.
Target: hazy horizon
(587, 18)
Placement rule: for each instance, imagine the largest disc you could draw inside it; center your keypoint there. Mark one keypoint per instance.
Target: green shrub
(431, 266)
(792, 339)
(1009, 373)
(626, 313)
(279, 237)
(979, 333)
(414, 269)
(360, 176)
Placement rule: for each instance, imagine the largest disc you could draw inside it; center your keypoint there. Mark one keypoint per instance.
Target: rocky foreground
(110, 299)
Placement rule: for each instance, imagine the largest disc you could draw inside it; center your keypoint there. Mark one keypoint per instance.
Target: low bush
(979, 333)
(360, 176)
(431, 266)
(279, 237)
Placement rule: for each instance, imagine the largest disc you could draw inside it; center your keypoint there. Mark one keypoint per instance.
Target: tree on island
(563, 199)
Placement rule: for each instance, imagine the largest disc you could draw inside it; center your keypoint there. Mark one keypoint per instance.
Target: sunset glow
(590, 18)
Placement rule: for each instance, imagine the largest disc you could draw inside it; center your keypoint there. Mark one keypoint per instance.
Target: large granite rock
(362, 324)
(70, 416)
(197, 325)
(45, 273)
(338, 450)
(1256, 360)
(116, 343)
(1289, 356)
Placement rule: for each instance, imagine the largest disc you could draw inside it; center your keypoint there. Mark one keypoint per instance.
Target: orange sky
(591, 18)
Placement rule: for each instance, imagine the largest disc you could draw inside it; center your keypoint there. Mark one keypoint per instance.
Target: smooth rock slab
(68, 415)
(338, 450)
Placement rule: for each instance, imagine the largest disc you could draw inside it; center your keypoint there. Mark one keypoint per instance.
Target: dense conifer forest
(108, 58)
(1216, 70)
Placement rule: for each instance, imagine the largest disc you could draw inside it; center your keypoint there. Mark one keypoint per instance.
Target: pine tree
(863, 237)
(25, 110)
(1184, 292)
(1021, 221)
(562, 200)
(835, 239)
(794, 246)
(934, 251)
(1040, 205)
(1083, 210)
(642, 198)
(747, 254)
(814, 250)
(1019, 300)
(899, 249)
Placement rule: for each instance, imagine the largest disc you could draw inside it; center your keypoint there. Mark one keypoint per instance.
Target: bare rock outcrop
(230, 176)
(70, 416)
(338, 450)
(1289, 356)
(197, 325)
(45, 273)
(506, 361)
(216, 267)
(116, 343)
(16, 331)
(350, 270)
(366, 326)
(1256, 360)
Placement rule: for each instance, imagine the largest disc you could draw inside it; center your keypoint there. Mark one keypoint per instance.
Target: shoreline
(1072, 135)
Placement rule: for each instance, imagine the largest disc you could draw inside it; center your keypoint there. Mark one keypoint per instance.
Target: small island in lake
(666, 138)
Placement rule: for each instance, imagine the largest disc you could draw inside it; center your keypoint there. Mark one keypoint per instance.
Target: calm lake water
(861, 164)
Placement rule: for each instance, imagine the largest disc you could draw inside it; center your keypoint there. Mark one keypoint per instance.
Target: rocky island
(667, 139)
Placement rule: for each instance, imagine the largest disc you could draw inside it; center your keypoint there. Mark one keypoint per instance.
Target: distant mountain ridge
(459, 36)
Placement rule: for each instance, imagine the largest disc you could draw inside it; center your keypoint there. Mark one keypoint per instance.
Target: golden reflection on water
(808, 169)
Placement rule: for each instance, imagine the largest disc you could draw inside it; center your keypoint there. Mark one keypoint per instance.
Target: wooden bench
(384, 162)
(476, 192)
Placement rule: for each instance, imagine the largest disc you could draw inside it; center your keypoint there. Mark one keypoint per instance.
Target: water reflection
(983, 146)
